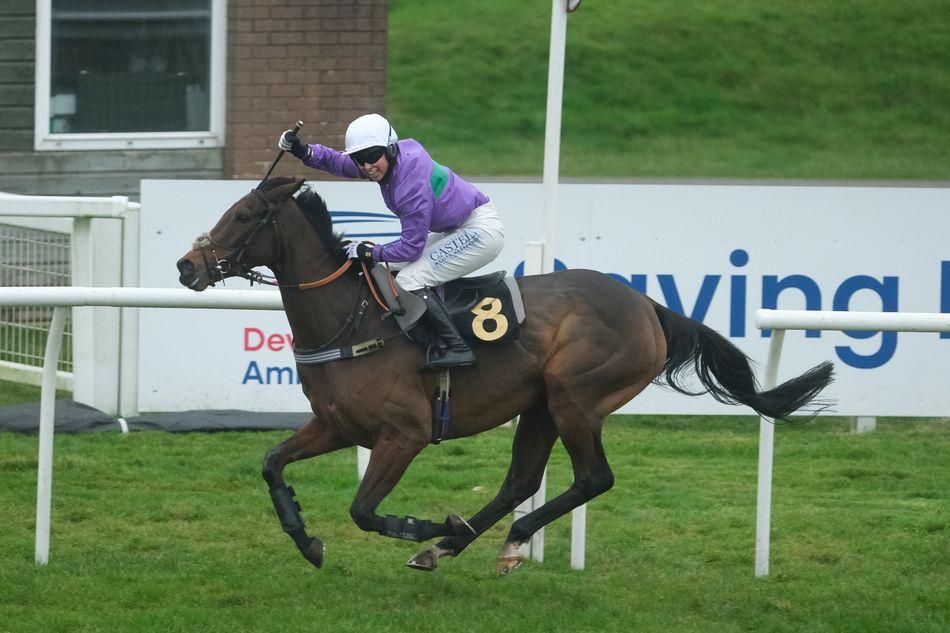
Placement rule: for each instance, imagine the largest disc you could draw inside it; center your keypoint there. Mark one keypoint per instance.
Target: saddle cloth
(485, 309)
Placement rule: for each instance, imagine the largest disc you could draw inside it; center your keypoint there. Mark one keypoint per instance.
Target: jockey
(448, 227)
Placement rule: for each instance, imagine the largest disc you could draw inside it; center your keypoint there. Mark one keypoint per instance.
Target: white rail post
(552, 129)
(863, 424)
(552, 164)
(44, 475)
(536, 501)
(96, 259)
(578, 536)
(779, 321)
(129, 317)
(763, 507)
(83, 328)
(534, 548)
(362, 461)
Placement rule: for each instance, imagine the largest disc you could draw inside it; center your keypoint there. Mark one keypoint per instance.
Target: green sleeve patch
(439, 179)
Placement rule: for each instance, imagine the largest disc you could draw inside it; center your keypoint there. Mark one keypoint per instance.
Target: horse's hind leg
(580, 435)
(387, 463)
(594, 369)
(311, 440)
(531, 448)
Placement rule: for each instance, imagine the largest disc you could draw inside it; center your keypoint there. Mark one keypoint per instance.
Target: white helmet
(370, 130)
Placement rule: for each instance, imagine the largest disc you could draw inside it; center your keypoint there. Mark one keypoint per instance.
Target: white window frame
(44, 140)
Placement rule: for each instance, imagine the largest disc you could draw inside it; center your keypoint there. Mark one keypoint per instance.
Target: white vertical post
(537, 539)
(533, 258)
(863, 424)
(763, 508)
(552, 160)
(534, 548)
(552, 129)
(362, 461)
(96, 259)
(129, 317)
(44, 473)
(81, 274)
(578, 536)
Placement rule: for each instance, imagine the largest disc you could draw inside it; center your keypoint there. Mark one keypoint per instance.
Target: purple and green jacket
(424, 195)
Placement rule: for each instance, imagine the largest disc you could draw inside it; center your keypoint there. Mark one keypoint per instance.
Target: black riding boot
(457, 353)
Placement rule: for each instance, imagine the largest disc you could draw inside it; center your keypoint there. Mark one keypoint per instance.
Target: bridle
(235, 264)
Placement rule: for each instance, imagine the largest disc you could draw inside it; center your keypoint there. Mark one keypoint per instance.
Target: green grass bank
(841, 89)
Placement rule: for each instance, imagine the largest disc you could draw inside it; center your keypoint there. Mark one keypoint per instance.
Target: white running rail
(781, 320)
(63, 298)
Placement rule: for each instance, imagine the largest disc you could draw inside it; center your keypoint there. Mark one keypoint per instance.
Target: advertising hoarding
(713, 252)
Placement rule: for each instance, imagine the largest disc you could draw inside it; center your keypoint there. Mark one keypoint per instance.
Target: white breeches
(456, 253)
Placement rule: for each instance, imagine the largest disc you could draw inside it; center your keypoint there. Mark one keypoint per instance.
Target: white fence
(781, 320)
(32, 253)
(128, 298)
(103, 251)
(30, 257)
(62, 298)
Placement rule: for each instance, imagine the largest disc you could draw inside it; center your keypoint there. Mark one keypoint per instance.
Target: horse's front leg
(315, 438)
(387, 464)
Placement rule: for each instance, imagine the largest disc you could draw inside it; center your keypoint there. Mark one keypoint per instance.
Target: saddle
(486, 309)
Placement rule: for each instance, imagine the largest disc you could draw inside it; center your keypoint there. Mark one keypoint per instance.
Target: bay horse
(588, 345)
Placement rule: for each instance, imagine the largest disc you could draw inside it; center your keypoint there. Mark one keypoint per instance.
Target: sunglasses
(368, 155)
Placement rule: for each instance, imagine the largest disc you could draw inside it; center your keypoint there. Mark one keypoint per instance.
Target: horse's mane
(314, 208)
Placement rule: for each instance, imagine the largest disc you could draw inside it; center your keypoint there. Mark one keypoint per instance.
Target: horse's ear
(283, 191)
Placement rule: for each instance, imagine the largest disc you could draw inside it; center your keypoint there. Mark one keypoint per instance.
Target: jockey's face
(376, 171)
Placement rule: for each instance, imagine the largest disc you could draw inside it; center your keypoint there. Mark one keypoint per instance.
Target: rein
(237, 267)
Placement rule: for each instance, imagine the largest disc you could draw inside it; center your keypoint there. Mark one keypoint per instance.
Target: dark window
(130, 66)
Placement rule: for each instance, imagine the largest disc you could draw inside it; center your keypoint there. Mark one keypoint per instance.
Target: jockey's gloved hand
(363, 251)
(289, 142)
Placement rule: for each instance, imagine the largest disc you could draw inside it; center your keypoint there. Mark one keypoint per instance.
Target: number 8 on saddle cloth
(486, 309)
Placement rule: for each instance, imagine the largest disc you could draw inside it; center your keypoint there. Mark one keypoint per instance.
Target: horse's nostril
(185, 267)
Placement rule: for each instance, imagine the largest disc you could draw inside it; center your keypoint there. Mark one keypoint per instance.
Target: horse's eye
(242, 218)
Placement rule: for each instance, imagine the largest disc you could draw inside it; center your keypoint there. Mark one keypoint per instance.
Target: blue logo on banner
(347, 221)
(885, 288)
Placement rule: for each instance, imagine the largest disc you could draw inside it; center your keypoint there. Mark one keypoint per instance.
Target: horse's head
(243, 238)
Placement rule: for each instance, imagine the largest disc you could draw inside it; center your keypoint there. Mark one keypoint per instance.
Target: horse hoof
(423, 561)
(460, 526)
(314, 552)
(507, 564)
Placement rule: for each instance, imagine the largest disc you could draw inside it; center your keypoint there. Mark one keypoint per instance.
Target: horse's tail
(726, 373)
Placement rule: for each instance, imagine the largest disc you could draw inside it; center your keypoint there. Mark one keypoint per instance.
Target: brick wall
(320, 61)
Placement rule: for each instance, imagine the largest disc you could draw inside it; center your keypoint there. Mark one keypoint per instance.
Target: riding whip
(279, 156)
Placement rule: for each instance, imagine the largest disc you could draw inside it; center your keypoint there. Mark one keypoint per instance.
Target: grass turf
(163, 532)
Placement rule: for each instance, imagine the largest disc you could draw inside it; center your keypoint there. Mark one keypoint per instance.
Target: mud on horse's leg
(311, 440)
(388, 461)
(531, 448)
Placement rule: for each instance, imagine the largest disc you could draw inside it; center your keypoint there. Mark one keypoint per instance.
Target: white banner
(716, 253)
